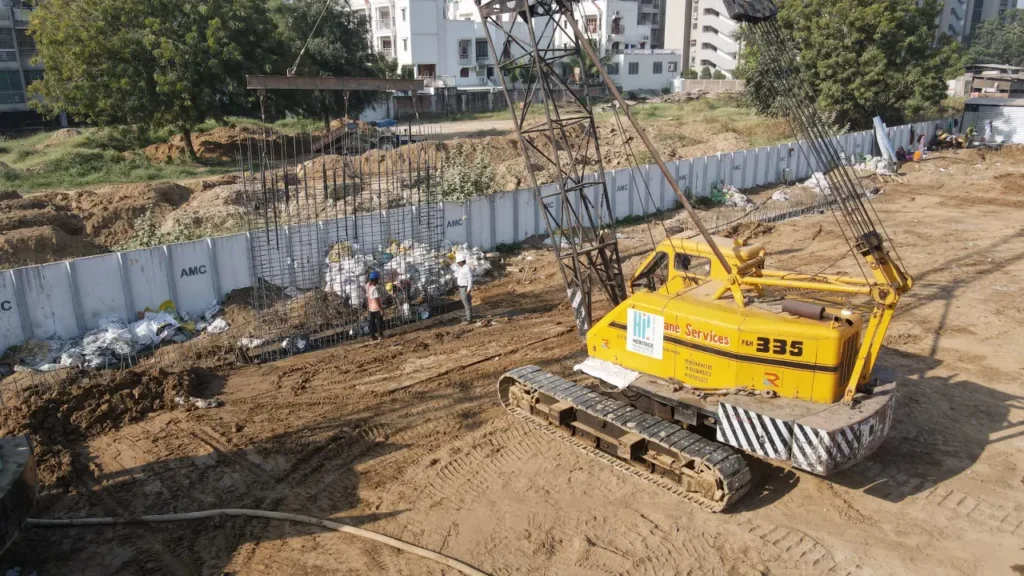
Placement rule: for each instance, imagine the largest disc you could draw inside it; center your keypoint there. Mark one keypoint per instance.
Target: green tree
(705, 73)
(999, 41)
(150, 62)
(592, 72)
(338, 45)
(861, 58)
(718, 75)
(690, 74)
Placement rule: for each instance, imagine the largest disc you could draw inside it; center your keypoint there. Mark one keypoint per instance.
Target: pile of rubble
(114, 342)
(411, 271)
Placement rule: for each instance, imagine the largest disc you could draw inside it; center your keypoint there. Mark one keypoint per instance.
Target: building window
(592, 24)
(6, 39)
(710, 12)
(673, 67)
(385, 45)
(403, 14)
(612, 69)
(464, 73)
(976, 15)
(708, 46)
(634, 68)
(657, 68)
(11, 88)
(383, 19)
(464, 49)
(405, 44)
(693, 43)
(481, 49)
(26, 43)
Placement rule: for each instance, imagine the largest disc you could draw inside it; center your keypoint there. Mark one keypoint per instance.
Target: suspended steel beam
(330, 83)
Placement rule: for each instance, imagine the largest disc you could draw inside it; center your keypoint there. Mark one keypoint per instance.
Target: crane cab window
(693, 265)
(654, 275)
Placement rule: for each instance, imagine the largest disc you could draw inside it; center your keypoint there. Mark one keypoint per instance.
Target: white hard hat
(460, 257)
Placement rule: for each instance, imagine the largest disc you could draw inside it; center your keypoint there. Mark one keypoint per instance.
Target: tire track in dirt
(468, 475)
(889, 483)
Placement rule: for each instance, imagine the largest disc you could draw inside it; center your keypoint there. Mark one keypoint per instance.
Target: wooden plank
(329, 83)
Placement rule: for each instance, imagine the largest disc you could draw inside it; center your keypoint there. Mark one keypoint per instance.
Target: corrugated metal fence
(67, 299)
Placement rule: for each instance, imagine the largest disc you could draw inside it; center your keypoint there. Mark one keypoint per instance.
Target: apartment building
(704, 33)
(17, 71)
(629, 42)
(960, 18)
(445, 43)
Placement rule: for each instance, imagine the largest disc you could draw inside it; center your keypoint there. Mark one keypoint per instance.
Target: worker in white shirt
(464, 278)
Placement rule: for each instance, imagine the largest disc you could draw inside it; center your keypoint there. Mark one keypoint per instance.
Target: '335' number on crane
(779, 346)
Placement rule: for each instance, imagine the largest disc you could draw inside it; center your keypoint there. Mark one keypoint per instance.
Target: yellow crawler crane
(709, 350)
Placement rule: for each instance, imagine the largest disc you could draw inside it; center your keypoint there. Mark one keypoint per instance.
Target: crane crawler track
(701, 471)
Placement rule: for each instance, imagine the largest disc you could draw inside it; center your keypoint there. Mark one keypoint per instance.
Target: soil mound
(213, 211)
(6, 195)
(110, 212)
(67, 222)
(62, 135)
(83, 405)
(224, 144)
(43, 244)
(748, 230)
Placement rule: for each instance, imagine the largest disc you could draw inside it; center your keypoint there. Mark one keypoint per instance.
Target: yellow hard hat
(389, 287)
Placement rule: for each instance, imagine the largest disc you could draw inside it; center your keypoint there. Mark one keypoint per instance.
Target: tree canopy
(166, 62)
(338, 46)
(862, 58)
(999, 41)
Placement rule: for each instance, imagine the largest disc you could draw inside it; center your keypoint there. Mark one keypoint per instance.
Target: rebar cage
(322, 211)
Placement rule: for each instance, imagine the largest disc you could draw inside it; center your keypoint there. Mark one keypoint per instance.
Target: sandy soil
(406, 438)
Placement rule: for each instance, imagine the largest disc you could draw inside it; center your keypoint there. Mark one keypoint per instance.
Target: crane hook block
(750, 10)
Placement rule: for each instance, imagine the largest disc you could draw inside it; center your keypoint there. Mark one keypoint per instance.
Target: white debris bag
(818, 183)
(217, 326)
(780, 196)
(153, 328)
(736, 199)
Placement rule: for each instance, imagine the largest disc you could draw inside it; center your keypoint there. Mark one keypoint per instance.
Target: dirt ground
(406, 438)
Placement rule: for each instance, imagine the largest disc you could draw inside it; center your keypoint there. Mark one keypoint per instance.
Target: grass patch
(719, 114)
(97, 156)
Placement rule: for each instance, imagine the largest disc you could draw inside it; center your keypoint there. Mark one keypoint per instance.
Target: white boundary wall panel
(147, 275)
(455, 224)
(192, 271)
(232, 262)
(11, 332)
(710, 174)
(526, 210)
(622, 199)
(66, 299)
(505, 216)
(100, 289)
(50, 301)
(764, 164)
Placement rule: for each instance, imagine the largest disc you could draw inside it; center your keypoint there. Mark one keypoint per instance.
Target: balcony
(439, 82)
(647, 51)
(384, 27)
(618, 29)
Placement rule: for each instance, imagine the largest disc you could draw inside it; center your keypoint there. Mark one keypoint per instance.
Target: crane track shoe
(702, 471)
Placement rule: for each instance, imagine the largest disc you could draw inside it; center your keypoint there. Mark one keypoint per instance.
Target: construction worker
(373, 306)
(464, 278)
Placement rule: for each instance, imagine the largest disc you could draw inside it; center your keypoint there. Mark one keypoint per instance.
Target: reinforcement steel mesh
(322, 212)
